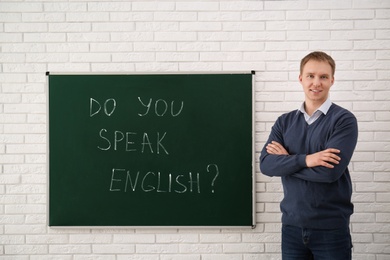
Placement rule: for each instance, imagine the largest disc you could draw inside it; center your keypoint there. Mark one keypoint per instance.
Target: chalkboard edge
(47, 150)
(48, 73)
(253, 152)
(153, 227)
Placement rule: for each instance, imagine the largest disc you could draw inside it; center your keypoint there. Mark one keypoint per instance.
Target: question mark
(216, 175)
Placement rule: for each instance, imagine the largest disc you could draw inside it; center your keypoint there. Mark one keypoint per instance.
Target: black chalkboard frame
(192, 226)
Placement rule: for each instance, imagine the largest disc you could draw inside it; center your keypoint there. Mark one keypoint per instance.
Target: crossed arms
(326, 166)
(326, 158)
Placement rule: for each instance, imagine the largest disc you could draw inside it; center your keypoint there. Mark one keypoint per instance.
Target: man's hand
(325, 158)
(276, 149)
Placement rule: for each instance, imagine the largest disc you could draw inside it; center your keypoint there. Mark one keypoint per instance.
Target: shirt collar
(324, 108)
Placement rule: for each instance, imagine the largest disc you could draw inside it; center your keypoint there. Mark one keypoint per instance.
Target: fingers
(330, 156)
(276, 148)
(327, 158)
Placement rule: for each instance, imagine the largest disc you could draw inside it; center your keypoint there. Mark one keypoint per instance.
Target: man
(310, 149)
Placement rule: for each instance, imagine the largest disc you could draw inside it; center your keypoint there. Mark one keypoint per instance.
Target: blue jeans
(318, 244)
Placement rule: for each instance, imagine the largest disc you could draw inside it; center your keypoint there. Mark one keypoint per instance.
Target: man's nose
(316, 81)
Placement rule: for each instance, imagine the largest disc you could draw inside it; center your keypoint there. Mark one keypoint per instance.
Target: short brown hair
(318, 56)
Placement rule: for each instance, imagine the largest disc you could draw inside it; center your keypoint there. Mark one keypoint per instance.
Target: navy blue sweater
(316, 197)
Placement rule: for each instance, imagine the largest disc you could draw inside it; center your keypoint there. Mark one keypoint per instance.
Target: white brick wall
(159, 36)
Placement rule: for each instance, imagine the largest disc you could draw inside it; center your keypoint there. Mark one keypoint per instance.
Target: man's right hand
(326, 158)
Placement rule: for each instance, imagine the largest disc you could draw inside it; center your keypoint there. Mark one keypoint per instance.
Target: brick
(177, 238)
(246, 247)
(94, 257)
(353, 35)
(24, 229)
(175, 36)
(133, 238)
(25, 249)
(106, 47)
(219, 16)
(145, 17)
(25, 27)
(153, 6)
(139, 257)
(44, 37)
(10, 7)
(201, 248)
(196, 26)
(90, 239)
(24, 168)
(25, 128)
(11, 239)
(372, 44)
(383, 217)
(113, 27)
(90, 57)
(287, 5)
(87, 17)
(308, 35)
(70, 249)
(64, 7)
(50, 257)
(11, 38)
(133, 37)
(87, 37)
(7, 159)
(47, 57)
(43, 17)
(113, 249)
(263, 16)
(24, 189)
(241, 5)
(69, 27)
(329, 4)
(157, 248)
(174, 56)
(378, 4)
(109, 7)
(197, 6)
(352, 14)
(289, 25)
(9, 179)
(10, 17)
(224, 238)
(47, 239)
(181, 257)
(175, 16)
(304, 15)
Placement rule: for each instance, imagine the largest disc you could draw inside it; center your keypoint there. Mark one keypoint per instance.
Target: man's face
(316, 80)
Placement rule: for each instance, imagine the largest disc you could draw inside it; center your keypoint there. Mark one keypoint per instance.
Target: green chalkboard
(150, 150)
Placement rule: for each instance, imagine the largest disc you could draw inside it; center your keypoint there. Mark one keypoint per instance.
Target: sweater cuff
(302, 160)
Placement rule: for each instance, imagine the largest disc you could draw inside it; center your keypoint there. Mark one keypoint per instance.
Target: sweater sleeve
(344, 138)
(280, 165)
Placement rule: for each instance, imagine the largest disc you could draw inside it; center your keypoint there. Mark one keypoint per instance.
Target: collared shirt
(323, 109)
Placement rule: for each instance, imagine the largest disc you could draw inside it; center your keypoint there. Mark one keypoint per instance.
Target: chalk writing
(216, 174)
(123, 180)
(160, 107)
(126, 141)
(95, 107)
